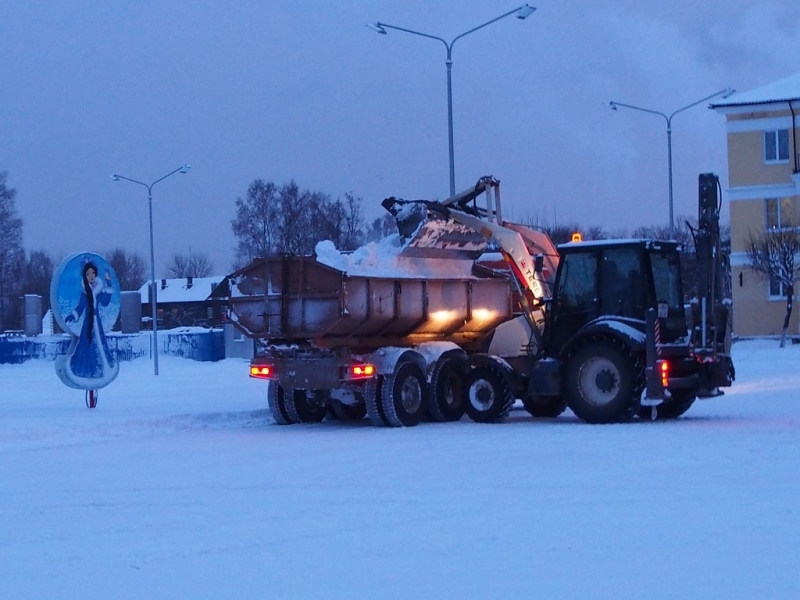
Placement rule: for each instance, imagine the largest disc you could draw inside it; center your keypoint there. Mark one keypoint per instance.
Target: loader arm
(513, 249)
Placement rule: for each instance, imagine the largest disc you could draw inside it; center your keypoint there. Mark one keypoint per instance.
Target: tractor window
(577, 289)
(621, 285)
(669, 296)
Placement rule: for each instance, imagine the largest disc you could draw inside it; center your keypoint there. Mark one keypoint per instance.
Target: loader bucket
(427, 232)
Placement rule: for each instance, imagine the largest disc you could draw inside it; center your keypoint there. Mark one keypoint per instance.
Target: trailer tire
(372, 402)
(487, 396)
(673, 407)
(601, 382)
(348, 412)
(276, 400)
(303, 407)
(445, 399)
(545, 407)
(404, 395)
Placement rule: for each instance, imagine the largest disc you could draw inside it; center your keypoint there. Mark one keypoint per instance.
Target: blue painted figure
(91, 358)
(89, 363)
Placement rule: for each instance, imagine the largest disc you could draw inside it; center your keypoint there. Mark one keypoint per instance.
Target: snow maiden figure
(86, 305)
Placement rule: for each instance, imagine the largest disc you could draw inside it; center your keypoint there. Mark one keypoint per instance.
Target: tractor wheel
(372, 401)
(545, 407)
(673, 407)
(276, 399)
(600, 383)
(446, 392)
(487, 397)
(404, 395)
(304, 407)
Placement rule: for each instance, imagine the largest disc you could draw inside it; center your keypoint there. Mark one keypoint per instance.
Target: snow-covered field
(179, 486)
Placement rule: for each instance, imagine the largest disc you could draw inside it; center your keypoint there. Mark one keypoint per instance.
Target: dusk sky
(304, 91)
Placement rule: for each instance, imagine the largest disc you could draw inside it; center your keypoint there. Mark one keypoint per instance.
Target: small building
(184, 302)
(764, 194)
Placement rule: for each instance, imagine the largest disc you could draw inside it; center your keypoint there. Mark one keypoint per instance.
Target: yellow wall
(746, 161)
(746, 216)
(753, 314)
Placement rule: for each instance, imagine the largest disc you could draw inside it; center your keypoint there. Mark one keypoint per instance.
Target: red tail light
(260, 371)
(364, 371)
(663, 370)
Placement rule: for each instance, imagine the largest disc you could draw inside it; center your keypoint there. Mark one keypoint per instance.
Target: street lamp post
(668, 118)
(153, 286)
(522, 12)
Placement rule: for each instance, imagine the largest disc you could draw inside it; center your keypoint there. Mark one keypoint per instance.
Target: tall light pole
(668, 118)
(153, 286)
(522, 12)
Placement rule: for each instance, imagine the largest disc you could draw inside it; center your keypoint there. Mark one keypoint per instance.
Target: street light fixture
(153, 287)
(668, 118)
(522, 12)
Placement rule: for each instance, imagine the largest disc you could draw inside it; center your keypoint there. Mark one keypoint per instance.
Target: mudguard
(626, 330)
(386, 359)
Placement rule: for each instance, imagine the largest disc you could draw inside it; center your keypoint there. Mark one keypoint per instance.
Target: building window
(776, 146)
(777, 289)
(779, 213)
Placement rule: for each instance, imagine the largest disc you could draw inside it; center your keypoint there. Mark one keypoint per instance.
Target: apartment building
(764, 194)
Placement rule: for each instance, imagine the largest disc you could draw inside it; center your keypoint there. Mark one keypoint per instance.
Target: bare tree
(129, 267)
(38, 275)
(352, 223)
(380, 228)
(191, 264)
(257, 222)
(12, 256)
(773, 255)
(304, 219)
(596, 233)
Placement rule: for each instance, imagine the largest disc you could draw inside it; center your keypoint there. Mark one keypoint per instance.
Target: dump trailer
(351, 345)
(599, 326)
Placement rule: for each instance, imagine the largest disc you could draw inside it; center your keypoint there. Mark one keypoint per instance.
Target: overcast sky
(304, 91)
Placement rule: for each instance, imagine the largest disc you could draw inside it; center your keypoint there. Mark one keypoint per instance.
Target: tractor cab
(619, 279)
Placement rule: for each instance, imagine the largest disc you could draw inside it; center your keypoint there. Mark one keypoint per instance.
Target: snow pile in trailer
(382, 259)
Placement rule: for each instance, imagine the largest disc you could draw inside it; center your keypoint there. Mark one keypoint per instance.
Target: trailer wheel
(545, 407)
(672, 408)
(446, 391)
(276, 399)
(487, 396)
(372, 401)
(303, 406)
(600, 383)
(349, 412)
(404, 395)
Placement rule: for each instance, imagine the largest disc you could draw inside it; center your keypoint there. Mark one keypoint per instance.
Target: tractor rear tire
(487, 397)
(404, 395)
(445, 400)
(545, 407)
(601, 382)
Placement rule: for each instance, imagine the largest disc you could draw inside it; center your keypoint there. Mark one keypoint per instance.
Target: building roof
(783, 90)
(178, 290)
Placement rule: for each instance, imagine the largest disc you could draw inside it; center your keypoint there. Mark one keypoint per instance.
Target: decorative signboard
(85, 299)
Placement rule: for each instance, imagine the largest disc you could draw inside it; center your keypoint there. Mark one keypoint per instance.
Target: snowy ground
(179, 486)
